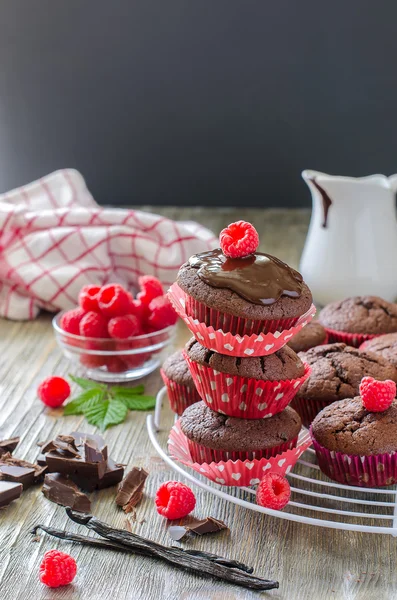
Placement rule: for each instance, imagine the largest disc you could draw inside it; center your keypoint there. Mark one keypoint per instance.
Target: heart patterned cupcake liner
(243, 397)
(235, 345)
(236, 472)
(180, 396)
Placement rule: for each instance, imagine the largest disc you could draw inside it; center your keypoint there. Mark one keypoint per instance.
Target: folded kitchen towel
(54, 239)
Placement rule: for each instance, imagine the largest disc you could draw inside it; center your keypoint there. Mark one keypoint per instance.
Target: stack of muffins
(235, 404)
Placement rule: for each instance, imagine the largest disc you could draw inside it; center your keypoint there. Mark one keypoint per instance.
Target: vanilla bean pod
(204, 566)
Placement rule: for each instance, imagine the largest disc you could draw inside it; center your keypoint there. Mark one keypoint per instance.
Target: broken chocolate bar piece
(113, 475)
(65, 492)
(20, 471)
(9, 491)
(8, 445)
(130, 490)
(208, 525)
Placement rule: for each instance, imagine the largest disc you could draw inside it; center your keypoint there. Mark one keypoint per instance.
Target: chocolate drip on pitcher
(325, 198)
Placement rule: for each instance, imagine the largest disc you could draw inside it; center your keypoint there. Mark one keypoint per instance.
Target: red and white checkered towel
(54, 239)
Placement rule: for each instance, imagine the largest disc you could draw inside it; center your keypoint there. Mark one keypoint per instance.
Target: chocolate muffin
(254, 294)
(312, 335)
(383, 345)
(179, 382)
(336, 373)
(356, 319)
(283, 364)
(215, 437)
(355, 446)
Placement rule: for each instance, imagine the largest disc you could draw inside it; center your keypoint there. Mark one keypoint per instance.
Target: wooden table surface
(309, 562)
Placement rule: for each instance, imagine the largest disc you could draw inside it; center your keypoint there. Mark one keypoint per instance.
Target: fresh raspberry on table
(174, 500)
(57, 568)
(239, 239)
(88, 297)
(70, 320)
(53, 391)
(273, 491)
(151, 288)
(94, 325)
(162, 314)
(114, 300)
(124, 327)
(377, 396)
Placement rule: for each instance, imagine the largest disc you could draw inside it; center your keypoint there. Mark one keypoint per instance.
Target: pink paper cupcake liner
(200, 453)
(180, 396)
(351, 339)
(235, 325)
(378, 470)
(238, 472)
(243, 397)
(308, 409)
(235, 345)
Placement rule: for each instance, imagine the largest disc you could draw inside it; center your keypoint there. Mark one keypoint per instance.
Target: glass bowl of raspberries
(115, 337)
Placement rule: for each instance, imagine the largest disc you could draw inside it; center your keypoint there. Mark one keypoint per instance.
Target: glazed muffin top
(337, 371)
(258, 286)
(361, 314)
(284, 364)
(220, 432)
(176, 369)
(383, 345)
(347, 426)
(313, 334)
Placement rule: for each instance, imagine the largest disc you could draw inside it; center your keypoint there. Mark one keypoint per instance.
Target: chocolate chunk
(8, 445)
(95, 441)
(9, 491)
(130, 490)
(65, 492)
(20, 471)
(208, 525)
(113, 475)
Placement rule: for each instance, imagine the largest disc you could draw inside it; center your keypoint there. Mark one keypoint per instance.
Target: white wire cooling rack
(315, 499)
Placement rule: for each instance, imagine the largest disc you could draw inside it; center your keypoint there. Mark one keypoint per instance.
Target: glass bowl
(110, 360)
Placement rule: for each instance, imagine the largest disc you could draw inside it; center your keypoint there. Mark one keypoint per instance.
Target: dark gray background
(197, 102)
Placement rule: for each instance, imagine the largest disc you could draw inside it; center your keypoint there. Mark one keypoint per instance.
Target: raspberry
(57, 568)
(94, 325)
(124, 327)
(239, 239)
(273, 491)
(174, 500)
(377, 396)
(139, 310)
(92, 361)
(115, 364)
(114, 300)
(53, 391)
(151, 288)
(162, 314)
(88, 297)
(70, 320)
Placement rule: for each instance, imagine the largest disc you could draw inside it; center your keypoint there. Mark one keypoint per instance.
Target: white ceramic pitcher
(351, 245)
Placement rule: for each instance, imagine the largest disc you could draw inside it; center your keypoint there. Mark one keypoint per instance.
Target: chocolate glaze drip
(326, 200)
(259, 278)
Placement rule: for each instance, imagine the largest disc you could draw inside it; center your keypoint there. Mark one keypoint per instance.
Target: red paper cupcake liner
(200, 453)
(308, 409)
(235, 325)
(235, 345)
(351, 339)
(243, 397)
(238, 472)
(180, 396)
(378, 470)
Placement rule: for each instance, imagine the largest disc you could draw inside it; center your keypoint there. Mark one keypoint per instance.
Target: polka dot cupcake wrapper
(201, 454)
(374, 471)
(235, 325)
(236, 472)
(351, 339)
(235, 345)
(180, 396)
(243, 397)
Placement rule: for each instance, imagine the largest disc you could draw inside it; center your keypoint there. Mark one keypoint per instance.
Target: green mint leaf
(127, 391)
(137, 402)
(77, 405)
(87, 384)
(106, 413)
